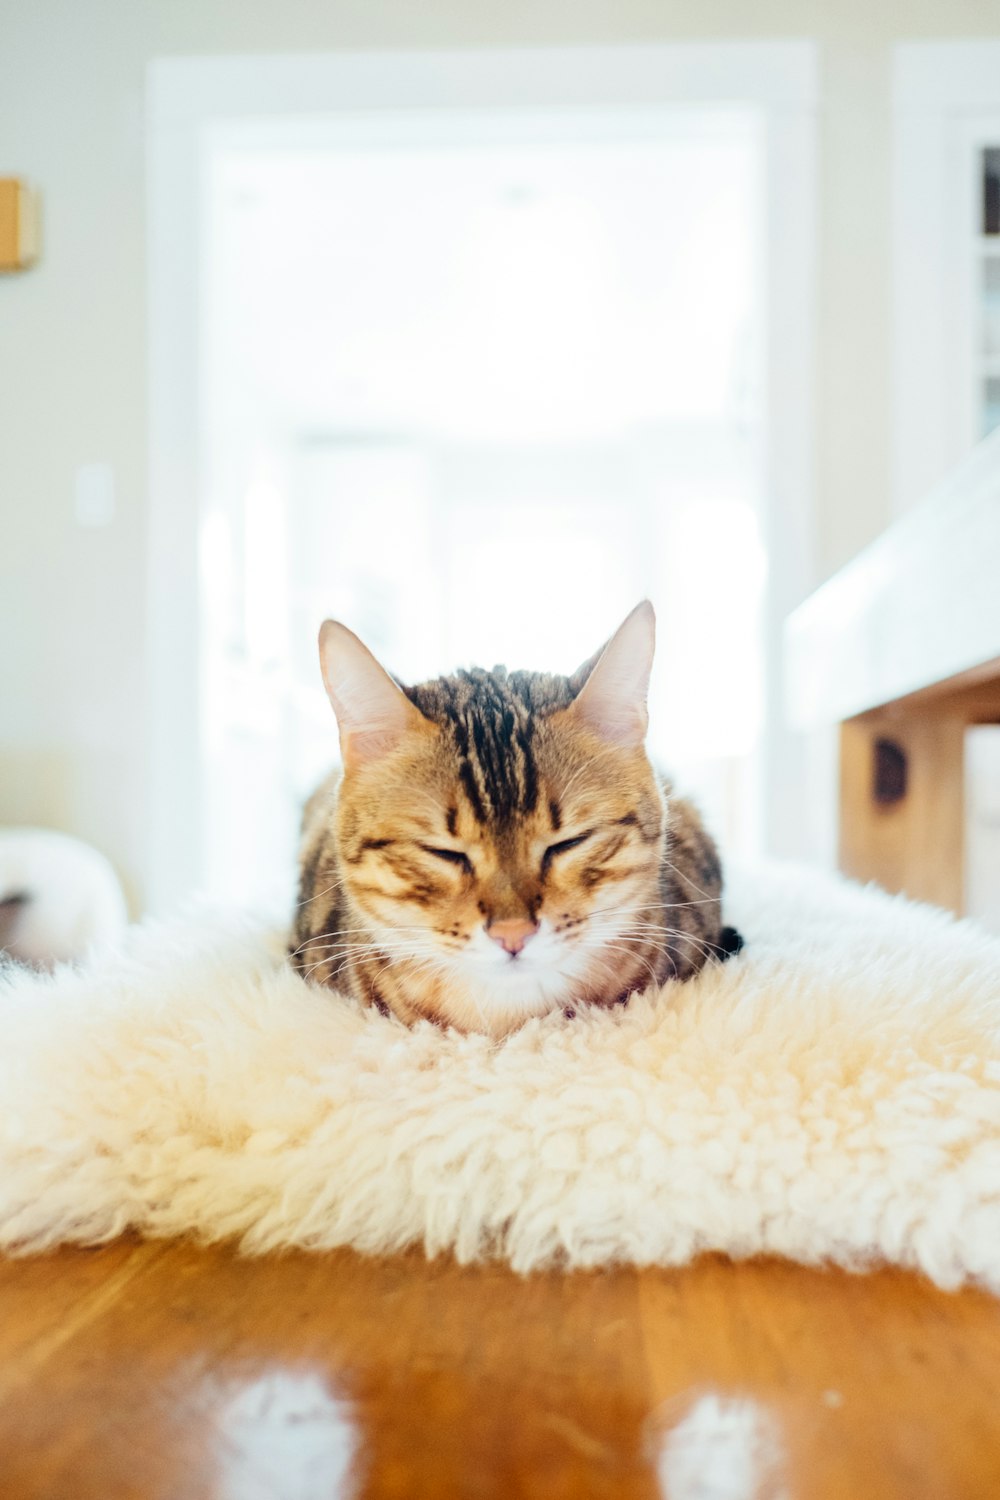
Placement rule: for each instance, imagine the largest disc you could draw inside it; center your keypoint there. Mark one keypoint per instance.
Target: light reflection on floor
(723, 1448)
(284, 1433)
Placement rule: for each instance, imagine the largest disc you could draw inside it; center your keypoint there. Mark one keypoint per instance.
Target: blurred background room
(471, 325)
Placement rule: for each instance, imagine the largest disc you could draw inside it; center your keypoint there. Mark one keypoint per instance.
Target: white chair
(59, 898)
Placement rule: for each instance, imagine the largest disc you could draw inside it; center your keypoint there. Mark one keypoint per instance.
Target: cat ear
(612, 701)
(373, 712)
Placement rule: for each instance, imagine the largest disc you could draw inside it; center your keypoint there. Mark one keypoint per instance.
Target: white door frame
(941, 93)
(192, 100)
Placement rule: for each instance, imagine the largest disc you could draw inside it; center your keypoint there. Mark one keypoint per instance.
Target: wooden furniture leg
(902, 792)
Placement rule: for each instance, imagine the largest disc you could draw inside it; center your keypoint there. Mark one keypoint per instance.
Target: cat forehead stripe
(496, 723)
(490, 717)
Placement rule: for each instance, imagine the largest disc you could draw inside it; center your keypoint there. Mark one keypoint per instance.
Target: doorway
(474, 380)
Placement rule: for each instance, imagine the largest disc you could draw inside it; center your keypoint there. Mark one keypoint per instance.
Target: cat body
(498, 845)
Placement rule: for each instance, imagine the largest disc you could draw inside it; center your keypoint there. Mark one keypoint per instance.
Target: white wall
(72, 340)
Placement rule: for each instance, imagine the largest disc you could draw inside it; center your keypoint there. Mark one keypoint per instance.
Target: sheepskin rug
(832, 1094)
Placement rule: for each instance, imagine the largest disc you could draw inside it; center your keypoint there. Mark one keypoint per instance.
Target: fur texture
(832, 1094)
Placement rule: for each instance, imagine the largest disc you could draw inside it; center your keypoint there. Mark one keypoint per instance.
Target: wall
(72, 347)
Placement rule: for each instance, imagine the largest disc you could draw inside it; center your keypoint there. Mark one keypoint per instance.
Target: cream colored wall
(72, 338)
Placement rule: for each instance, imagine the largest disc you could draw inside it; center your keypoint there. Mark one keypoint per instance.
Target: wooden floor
(160, 1371)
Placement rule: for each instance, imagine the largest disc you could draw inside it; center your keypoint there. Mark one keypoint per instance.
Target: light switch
(19, 225)
(94, 495)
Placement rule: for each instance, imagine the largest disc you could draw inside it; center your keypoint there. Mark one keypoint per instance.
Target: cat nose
(512, 933)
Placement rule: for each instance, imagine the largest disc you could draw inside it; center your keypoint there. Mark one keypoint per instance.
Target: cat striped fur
(498, 844)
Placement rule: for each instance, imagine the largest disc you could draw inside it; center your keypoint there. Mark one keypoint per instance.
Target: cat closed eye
(453, 857)
(564, 846)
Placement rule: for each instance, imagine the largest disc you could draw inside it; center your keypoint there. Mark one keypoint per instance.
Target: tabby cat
(498, 845)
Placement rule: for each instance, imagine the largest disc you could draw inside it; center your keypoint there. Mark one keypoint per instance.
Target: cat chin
(493, 993)
(501, 1009)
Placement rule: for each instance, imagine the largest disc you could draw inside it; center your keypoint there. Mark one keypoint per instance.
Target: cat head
(499, 834)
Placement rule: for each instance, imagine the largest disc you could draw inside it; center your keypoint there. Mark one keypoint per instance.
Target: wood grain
(173, 1371)
(915, 845)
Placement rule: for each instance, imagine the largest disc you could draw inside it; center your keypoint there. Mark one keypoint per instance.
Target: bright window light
(476, 401)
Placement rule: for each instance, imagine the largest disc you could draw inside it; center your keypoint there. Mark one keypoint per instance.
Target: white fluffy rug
(832, 1094)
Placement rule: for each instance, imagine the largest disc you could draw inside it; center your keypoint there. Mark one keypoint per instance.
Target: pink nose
(512, 933)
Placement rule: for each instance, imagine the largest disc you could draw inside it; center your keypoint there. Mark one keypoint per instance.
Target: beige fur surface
(831, 1094)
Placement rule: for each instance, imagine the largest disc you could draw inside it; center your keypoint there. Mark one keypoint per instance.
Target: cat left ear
(612, 701)
(373, 712)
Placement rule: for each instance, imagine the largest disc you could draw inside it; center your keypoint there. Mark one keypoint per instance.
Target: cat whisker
(369, 937)
(679, 933)
(616, 978)
(658, 905)
(344, 960)
(686, 879)
(338, 884)
(350, 949)
(646, 926)
(632, 954)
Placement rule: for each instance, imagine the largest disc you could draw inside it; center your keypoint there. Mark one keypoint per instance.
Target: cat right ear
(612, 699)
(373, 712)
